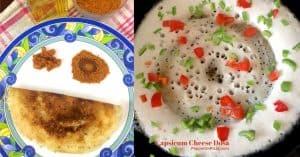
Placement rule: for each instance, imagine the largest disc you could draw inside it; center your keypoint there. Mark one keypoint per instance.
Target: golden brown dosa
(62, 123)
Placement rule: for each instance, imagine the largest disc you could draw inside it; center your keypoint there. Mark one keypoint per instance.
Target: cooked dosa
(62, 123)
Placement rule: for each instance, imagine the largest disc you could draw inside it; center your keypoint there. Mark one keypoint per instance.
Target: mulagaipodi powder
(100, 6)
(89, 68)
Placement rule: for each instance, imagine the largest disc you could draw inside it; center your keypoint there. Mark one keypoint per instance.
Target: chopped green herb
(286, 86)
(196, 11)
(245, 16)
(228, 9)
(220, 35)
(142, 50)
(222, 4)
(188, 63)
(249, 134)
(155, 124)
(267, 33)
(277, 3)
(285, 22)
(250, 82)
(143, 80)
(249, 114)
(145, 47)
(174, 151)
(259, 106)
(285, 53)
(213, 6)
(174, 10)
(206, 121)
(139, 75)
(233, 56)
(148, 85)
(151, 47)
(277, 125)
(175, 130)
(196, 155)
(151, 155)
(156, 86)
(270, 14)
(227, 38)
(152, 138)
(176, 53)
(195, 108)
(297, 47)
(201, 130)
(162, 52)
(266, 20)
(290, 63)
(260, 18)
(160, 15)
(191, 9)
(157, 30)
(269, 69)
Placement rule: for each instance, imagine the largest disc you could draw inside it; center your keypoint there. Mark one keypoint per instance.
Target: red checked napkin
(16, 18)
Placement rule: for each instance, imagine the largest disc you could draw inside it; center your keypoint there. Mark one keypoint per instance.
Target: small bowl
(95, 16)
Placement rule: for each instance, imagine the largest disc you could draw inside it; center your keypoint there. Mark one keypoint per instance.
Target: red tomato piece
(222, 19)
(280, 106)
(223, 133)
(274, 75)
(184, 80)
(182, 40)
(225, 111)
(163, 80)
(199, 52)
(156, 100)
(148, 63)
(174, 25)
(250, 32)
(227, 101)
(243, 65)
(244, 3)
(143, 98)
(238, 112)
(275, 12)
(152, 77)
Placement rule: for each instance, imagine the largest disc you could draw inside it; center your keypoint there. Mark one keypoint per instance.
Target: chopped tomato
(199, 52)
(181, 40)
(250, 32)
(244, 3)
(223, 133)
(148, 63)
(275, 12)
(174, 25)
(227, 101)
(184, 80)
(243, 65)
(274, 75)
(152, 77)
(156, 100)
(225, 111)
(238, 112)
(163, 80)
(222, 19)
(280, 106)
(143, 98)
